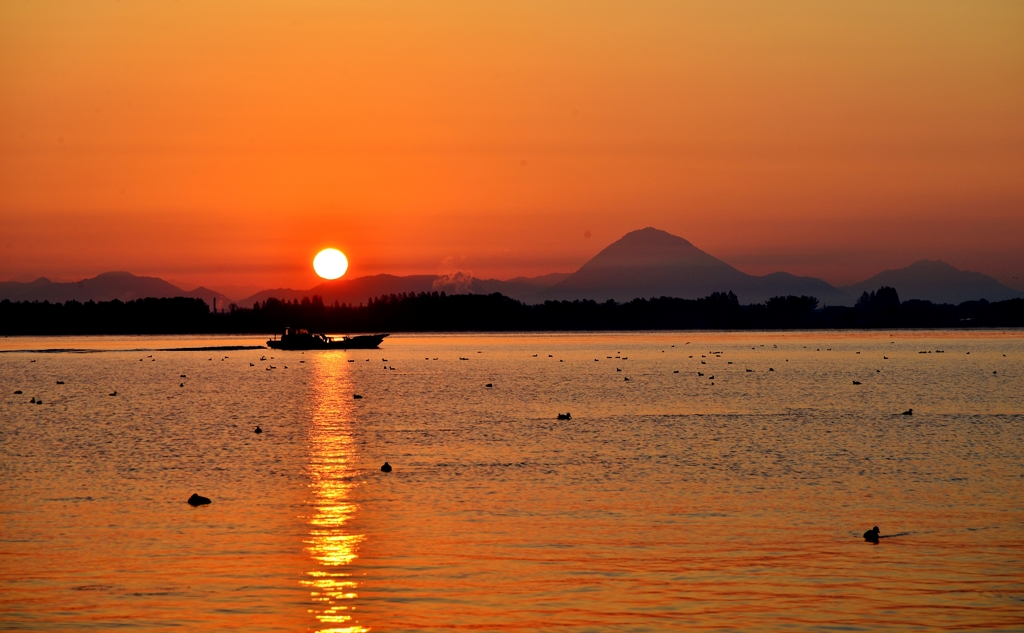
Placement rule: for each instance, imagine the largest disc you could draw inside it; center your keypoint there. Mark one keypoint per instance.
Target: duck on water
(300, 339)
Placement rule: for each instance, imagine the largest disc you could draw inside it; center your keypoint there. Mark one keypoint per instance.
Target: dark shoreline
(438, 312)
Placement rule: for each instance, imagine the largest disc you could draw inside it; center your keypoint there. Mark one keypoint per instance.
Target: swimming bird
(258, 430)
(488, 385)
(386, 468)
(871, 536)
(771, 369)
(253, 364)
(564, 416)
(356, 396)
(700, 373)
(196, 500)
(908, 412)
(18, 392)
(676, 371)
(61, 382)
(32, 401)
(39, 402)
(856, 382)
(113, 393)
(627, 379)
(181, 384)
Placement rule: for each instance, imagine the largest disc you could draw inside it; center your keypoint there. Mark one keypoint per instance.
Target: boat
(300, 339)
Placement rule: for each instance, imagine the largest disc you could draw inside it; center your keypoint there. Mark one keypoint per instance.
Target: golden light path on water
(330, 545)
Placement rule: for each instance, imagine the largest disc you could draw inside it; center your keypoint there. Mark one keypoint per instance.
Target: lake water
(735, 500)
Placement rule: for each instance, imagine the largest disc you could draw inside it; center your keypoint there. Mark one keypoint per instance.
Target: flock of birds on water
(871, 536)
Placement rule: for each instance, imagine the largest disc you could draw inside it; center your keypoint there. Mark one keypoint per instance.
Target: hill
(653, 263)
(937, 282)
(105, 287)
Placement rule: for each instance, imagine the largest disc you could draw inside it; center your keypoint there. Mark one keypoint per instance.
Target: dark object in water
(771, 369)
(61, 382)
(564, 416)
(18, 392)
(386, 468)
(908, 412)
(871, 536)
(356, 396)
(489, 385)
(627, 379)
(32, 401)
(258, 430)
(298, 339)
(196, 501)
(181, 384)
(856, 382)
(676, 371)
(112, 394)
(39, 402)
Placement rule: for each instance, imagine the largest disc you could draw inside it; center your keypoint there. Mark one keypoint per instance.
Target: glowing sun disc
(330, 263)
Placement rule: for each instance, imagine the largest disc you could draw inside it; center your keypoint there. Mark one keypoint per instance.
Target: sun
(330, 263)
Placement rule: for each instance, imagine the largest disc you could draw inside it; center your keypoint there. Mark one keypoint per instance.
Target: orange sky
(224, 143)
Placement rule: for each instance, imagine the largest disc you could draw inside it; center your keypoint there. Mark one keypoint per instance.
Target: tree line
(440, 312)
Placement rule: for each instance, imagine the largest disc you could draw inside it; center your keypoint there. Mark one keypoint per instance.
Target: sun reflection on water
(330, 545)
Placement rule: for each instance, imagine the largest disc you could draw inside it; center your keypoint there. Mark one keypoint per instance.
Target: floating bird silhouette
(258, 430)
(908, 412)
(871, 536)
(386, 468)
(564, 416)
(856, 382)
(196, 500)
(356, 396)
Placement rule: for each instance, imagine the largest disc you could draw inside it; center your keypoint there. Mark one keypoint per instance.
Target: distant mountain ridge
(642, 264)
(653, 263)
(937, 282)
(122, 286)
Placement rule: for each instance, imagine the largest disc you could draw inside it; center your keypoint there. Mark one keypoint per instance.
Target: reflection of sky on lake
(330, 545)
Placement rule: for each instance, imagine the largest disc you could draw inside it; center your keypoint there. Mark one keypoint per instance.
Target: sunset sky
(225, 143)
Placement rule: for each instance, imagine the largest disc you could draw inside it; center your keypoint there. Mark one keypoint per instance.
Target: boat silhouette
(300, 339)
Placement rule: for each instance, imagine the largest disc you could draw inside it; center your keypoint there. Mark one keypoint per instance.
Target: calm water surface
(729, 501)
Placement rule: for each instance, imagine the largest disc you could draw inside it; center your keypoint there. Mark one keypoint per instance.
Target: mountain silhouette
(653, 263)
(353, 291)
(105, 287)
(937, 282)
(642, 264)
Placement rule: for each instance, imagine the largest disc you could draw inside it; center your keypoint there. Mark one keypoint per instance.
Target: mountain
(105, 287)
(352, 291)
(937, 282)
(361, 289)
(525, 289)
(653, 263)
